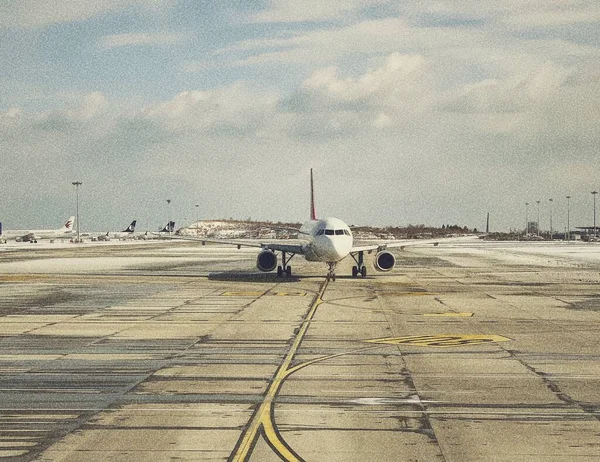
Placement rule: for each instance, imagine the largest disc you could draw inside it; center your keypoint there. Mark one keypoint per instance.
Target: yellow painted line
(242, 294)
(288, 294)
(258, 294)
(10, 453)
(262, 419)
(407, 293)
(450, 315)
(441, 341)
(17, 444)
(23, 277)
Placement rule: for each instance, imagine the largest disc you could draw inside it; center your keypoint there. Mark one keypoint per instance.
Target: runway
(173, 351)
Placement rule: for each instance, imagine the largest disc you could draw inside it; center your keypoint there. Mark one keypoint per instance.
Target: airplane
(163, 233)
(327, 240)
(22, 235)
(126, 233)
(169, 228)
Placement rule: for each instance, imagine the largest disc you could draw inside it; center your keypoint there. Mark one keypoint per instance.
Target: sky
(416, 112)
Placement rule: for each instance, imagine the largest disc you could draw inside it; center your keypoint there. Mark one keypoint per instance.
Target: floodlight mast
(538, 220)
(551, 232)
(568, 218)
(77, 184)
(594, 194)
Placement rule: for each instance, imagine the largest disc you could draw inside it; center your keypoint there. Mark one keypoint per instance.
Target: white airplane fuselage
(25, 235)
(329, 240)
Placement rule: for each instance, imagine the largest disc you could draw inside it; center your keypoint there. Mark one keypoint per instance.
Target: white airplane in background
(24, 235)
(126, 233)
(328, 240)
(163, 233)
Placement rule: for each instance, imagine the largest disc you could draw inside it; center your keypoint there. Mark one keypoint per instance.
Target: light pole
(594, 194)
(526, 219)
(538, 222)
(197, 219)
(568, 218)
(169, 222)
(551, 233)
(77, 184)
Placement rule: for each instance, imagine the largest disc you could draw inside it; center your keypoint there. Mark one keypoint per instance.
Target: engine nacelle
(266, 261)
(384, 261)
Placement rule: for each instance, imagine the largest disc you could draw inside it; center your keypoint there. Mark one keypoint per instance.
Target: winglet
(313, 212)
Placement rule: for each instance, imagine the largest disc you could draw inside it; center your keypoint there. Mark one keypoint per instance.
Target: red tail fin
(313, 212)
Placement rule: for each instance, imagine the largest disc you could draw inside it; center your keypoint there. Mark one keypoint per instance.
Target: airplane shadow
(232, 276)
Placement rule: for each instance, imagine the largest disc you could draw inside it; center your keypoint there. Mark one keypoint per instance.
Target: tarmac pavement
(173, 351)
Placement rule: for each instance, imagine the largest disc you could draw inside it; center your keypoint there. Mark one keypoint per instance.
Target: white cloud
(232, 109)
(137, 39)
(329, 105)
(515, 93)
(392, 77)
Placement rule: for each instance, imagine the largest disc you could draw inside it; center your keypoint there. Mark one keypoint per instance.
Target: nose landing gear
(331, 273)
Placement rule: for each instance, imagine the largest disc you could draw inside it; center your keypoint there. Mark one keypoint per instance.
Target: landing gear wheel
(288, 271)
(363, 271)
(354, 271)
(279, 272)
(331, 272)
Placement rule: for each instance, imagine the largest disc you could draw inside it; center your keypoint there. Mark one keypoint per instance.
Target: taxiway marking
(441, 341)
(259, 294)
(262, 420)
(449, 315)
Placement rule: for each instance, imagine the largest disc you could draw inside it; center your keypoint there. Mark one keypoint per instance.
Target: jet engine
(266, 260)
(384, 261)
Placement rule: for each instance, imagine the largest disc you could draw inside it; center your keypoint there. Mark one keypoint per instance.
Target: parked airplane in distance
(328, 240)
(125, 234)
(24, 235)
(169, 228)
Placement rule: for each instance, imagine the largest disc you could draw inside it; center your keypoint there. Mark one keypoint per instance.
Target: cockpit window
(346, 232)
(329, 232)
(339, 232)
(320, 232)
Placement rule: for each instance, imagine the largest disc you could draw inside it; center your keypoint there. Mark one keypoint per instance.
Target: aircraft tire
(288, 271)
(363, 271)
(354, 271)
(279, 272)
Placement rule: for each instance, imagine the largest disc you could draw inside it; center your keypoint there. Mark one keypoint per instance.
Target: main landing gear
(284, 268)
(360, 267)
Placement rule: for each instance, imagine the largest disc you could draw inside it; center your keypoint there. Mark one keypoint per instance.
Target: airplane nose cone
(337, 248)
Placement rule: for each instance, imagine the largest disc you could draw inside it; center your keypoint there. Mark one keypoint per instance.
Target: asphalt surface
(171, 351)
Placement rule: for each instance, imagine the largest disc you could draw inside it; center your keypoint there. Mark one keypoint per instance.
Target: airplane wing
(393, 244)
(297, 247)
(407, 243)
